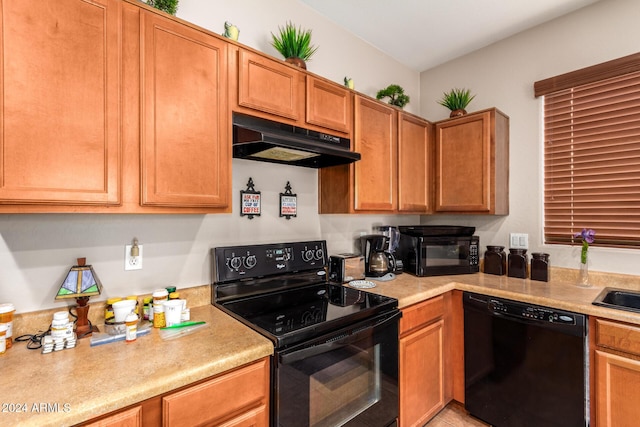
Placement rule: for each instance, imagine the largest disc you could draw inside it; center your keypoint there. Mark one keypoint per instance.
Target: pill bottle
(160, 296)
(158, 316)
(6, 318)
(108, 308)
(174, 295)
(61, 327)
(146, 305)
(131, 331)
(3, 342)
(136, 310)
(171, 289)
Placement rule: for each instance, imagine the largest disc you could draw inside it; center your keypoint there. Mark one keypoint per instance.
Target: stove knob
(250, 261)
(307, 255)
(235, 262)
(319, 254)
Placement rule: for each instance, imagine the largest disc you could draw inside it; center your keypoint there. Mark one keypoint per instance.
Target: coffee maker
(378, 262)
(393, 234)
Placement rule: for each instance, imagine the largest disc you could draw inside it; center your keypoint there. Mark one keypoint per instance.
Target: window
(592, 153)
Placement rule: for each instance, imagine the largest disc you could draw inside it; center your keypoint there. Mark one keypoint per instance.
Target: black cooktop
(295, 315)
(281, 291)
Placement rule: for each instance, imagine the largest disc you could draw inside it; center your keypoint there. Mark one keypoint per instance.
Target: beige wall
(502, 76)
(36, 251)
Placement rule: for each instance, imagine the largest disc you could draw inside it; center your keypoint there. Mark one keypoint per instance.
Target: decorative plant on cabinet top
(294, 44)
(456, 100)
(396, 95)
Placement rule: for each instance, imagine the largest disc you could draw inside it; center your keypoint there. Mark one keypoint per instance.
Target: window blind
(592, 161)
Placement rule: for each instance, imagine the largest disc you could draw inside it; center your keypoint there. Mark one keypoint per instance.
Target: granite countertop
(120, 374)
(70, 386)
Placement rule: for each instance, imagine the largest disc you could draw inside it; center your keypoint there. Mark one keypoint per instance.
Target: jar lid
(158, 293)
(171, 289)
(131, 317)
(60, 315)
(7, 307)
(147, 300)
(174, 295)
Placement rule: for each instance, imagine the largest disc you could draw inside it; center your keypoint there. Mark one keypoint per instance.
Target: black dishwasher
(525, 365)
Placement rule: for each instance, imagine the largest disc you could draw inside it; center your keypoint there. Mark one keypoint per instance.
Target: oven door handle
(326, 346)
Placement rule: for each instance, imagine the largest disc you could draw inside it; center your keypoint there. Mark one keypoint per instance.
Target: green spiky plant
(169, 6)
(456, 99)
(293, 42)
(396, 95)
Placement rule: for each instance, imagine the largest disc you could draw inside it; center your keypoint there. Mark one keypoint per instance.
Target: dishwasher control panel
(530, 312)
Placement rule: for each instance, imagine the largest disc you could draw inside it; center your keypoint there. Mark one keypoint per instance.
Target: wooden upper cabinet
(375, 138)
(472, 163)
(60, 82)
(268, 86)
(328, 105)
(185, 149)
(415, 171)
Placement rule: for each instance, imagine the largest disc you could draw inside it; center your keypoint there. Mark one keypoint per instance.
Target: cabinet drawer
(618, 336)
(418, 315)
(218, 398)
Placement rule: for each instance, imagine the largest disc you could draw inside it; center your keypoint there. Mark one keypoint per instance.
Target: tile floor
(454, 415)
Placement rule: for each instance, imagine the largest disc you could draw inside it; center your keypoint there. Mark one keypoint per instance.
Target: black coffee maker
(377, 261)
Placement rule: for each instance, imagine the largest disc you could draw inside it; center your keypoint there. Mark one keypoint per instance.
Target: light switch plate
(519, 240)
(130, 262)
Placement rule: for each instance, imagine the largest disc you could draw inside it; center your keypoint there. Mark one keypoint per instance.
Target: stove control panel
(250, 261)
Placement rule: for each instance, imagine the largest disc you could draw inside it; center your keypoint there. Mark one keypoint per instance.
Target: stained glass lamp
(81, 283)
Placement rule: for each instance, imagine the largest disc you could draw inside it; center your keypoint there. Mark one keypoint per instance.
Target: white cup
(173, 311)
(122, 308)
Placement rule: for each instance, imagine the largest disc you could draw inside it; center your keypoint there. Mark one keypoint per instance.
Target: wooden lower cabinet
(425, 371)
(239, 398)
(616, 374)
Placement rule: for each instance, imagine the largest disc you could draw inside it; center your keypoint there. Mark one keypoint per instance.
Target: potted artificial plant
(396, 95)
(294, 44)
(456, 100)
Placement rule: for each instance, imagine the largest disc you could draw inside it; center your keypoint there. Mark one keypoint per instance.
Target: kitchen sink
(621, 299)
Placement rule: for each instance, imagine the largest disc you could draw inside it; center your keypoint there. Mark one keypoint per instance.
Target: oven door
(349, 377)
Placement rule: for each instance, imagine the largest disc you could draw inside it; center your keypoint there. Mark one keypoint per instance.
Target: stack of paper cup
(173, 311)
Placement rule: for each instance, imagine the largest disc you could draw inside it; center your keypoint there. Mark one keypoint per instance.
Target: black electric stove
(321, 332)
(281, 290)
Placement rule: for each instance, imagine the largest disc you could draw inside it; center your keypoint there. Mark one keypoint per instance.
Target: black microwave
(438, 250)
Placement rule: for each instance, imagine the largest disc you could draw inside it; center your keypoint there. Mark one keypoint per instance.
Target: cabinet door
(60, 82)
(617, 390)
(242, 391)
(463, 164)
(185, 147)
(328, 105)
(269, 86)
(128, 418)
(414, 164)
(422, 381)
(375, 139)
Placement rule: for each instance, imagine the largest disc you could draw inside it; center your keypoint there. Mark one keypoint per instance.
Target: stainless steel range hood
(268, 141)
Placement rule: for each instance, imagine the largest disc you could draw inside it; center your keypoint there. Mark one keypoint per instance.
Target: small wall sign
(288, 203)
(250, 201)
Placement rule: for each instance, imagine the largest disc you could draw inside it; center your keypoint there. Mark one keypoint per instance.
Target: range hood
(268, 141)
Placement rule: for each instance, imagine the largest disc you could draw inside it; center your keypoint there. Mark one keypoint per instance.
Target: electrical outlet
(132, 262)
(519, 240)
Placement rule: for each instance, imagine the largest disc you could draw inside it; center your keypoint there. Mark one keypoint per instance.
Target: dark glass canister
(540, 266)
(495, 260)
(518, 263)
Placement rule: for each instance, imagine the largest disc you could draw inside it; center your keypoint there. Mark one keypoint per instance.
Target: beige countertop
(120, 374)
(70, 386)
